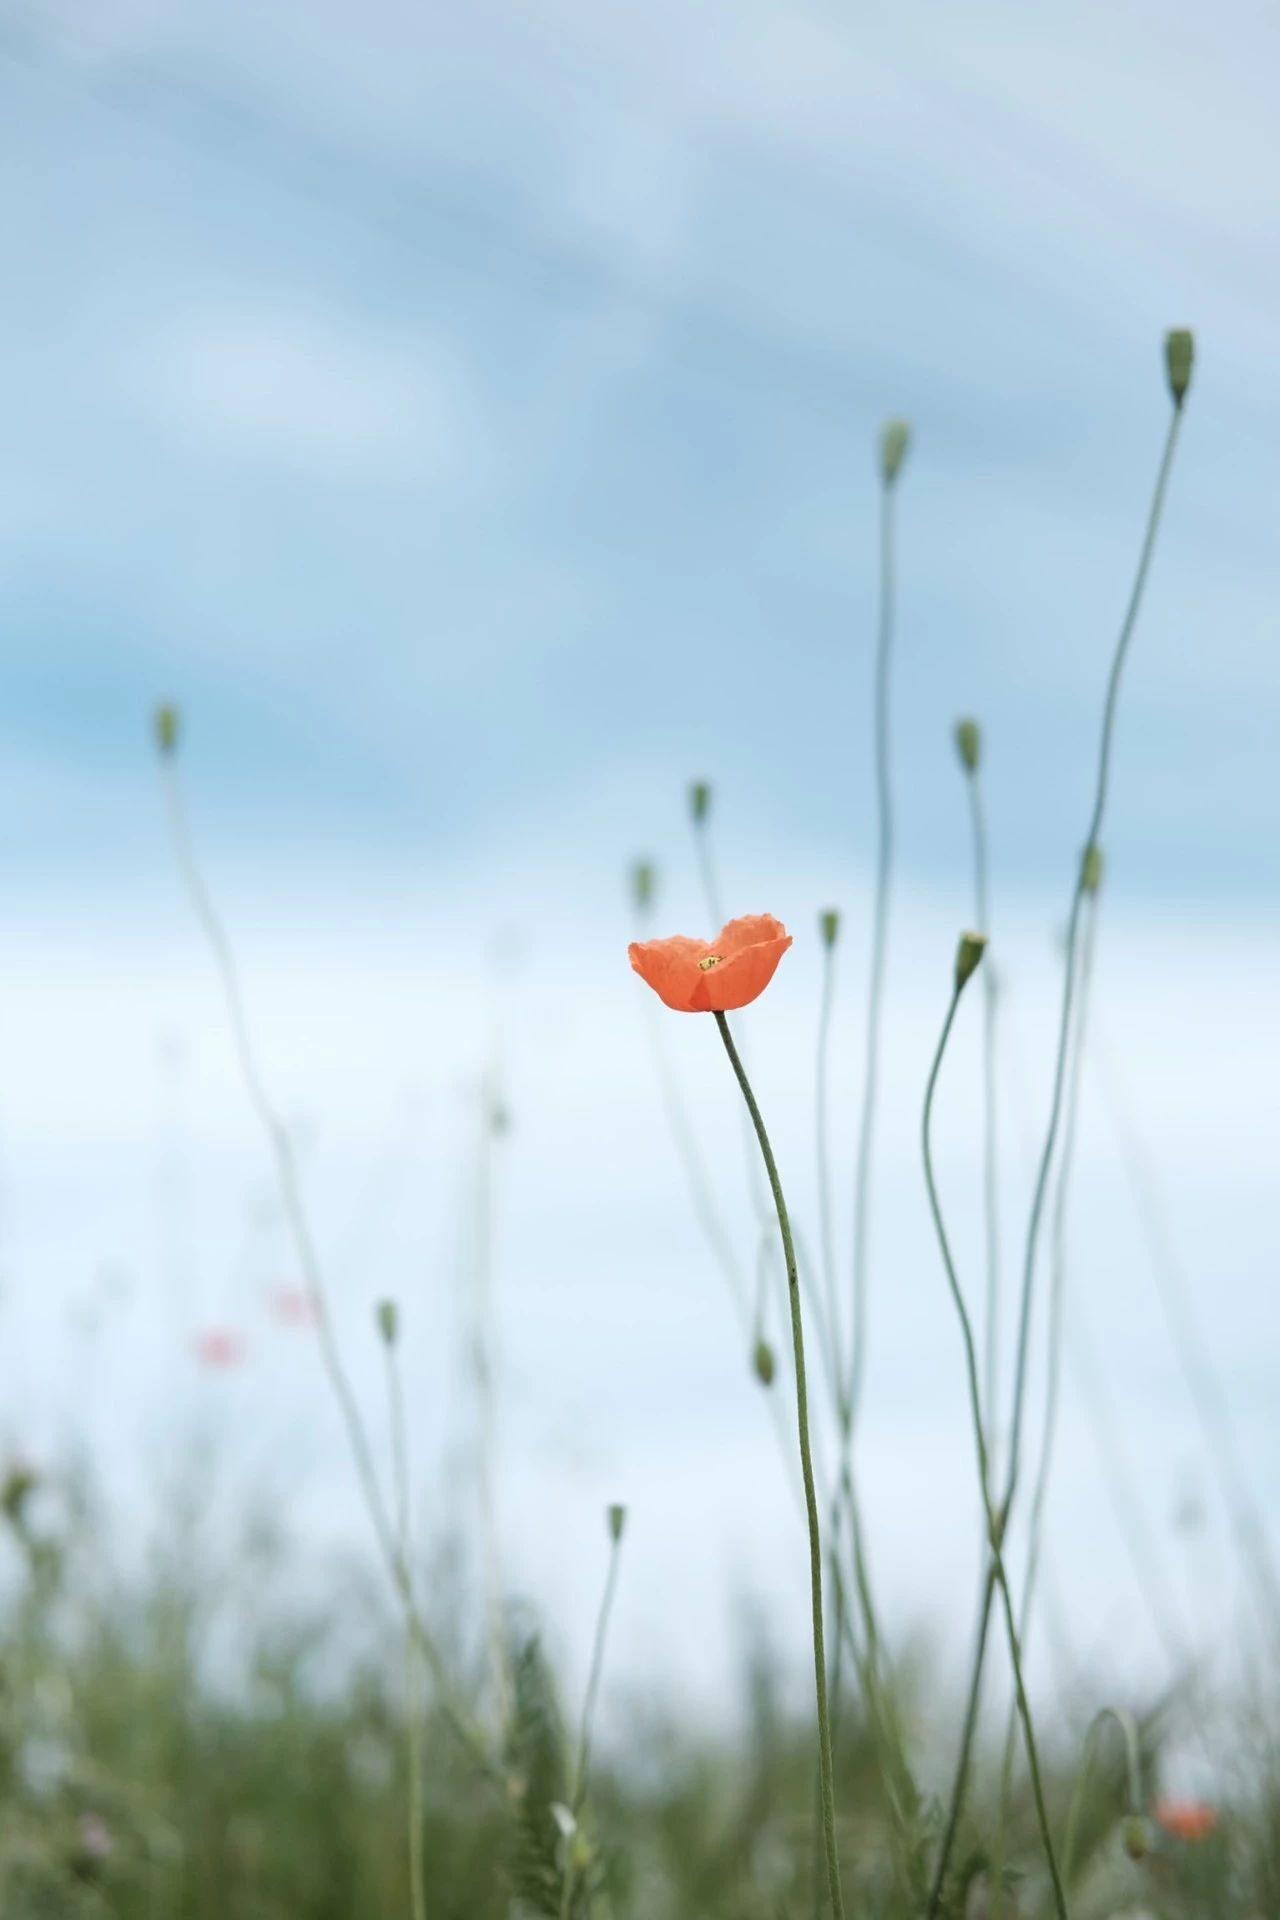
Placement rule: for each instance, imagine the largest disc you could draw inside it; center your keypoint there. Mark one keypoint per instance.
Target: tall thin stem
(995, 1521)
(1101, 787)
(304, 1242)
(827, 1781)
(879, 944)
(990, 1130)
(822, 1147)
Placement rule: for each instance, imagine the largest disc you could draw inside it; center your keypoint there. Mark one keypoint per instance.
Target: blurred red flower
(220, 1349)
(1186, 1819)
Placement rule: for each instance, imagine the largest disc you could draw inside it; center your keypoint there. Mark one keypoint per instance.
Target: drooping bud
(968, 738)
(1135, 1834)
(642, 885)
(895, 437)
(829, 926)
(763, 1362)
(1179, 358)
(969, 957)
(388, 1321)
(1091, 868)
(164, 722)
(617, 1517)
(699, 801)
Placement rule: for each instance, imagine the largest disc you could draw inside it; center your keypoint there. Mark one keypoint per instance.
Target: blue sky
(470, 422)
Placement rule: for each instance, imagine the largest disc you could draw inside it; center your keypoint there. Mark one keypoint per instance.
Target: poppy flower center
(711, 960)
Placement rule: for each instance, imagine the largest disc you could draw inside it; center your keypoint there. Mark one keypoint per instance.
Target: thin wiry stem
(413, 1707)
(960, 1782)
(822, 1131)
(582, 1764)
(1101, 787)
(482, 1276)
(879, 944)
(1057, 1294)
(995, 1521)
(1091, 839)
(806, 1469)
(308, 1255)
(990, 1130)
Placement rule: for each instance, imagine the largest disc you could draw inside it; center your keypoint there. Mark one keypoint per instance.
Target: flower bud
(1179, 358)
(389, 1321)
(763, 1361)
(1091, 868)
(894, 439)
(1135, 1835)
(164, 723)
(969, 956)
(968, 738)
(699, 801)
(617, 1517)
(829, 926)
(642, 885)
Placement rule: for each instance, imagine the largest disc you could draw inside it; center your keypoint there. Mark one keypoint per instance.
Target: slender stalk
(822, 1140)
(400, 1474)
(308, 1255)
(483, 1353)
(990, 1131)
(960, 1782)
(995, 1521)
(1101, 788)
(582, 1764)
(879, 944)
(806, 1468)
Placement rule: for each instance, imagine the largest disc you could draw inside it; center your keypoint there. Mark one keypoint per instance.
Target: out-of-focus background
(468, 418)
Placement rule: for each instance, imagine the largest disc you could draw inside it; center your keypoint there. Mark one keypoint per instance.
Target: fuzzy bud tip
(388, 1321)
(968, 738)
(1136, 1836)
(1179, 358)
(164, 723)
(895, 437)
(617, 1517)
(1091, 868)
(643, 880)
(763, 1362)
(829, 927)
(699, 801)
(969, 956)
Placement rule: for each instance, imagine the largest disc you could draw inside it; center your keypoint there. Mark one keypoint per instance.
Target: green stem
(806, 1469)
(822, 1129)
(879, 941)
(961, 1781)
(990, 1139)
(1101, 788)
(994, 1521)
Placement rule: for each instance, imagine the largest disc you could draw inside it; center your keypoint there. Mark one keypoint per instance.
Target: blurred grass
(221, 1733)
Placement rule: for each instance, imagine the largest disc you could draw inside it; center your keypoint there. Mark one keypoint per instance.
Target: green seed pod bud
(969, 956)
(968, 738)
(1136, 1836)
(1179, 358)
(1091, 868)
(829, 926)
(895, 437)
(389, 1321)
(617, 1517)
(164, 723)
(699, 801)
(763, 1361)
(642, 885)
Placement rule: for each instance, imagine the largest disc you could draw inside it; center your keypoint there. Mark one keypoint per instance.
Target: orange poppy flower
(713, 976)
(1186, 1819)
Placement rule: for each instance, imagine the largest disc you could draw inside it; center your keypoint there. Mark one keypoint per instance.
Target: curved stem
(1133, 1776)
(295, 1212)
(879, 942)
(827, 1783)
(990, 1136)
(995, 1521)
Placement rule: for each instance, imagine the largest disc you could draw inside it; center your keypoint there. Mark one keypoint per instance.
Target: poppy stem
(995, 1521)
(825, 1771)
(413, 1686)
